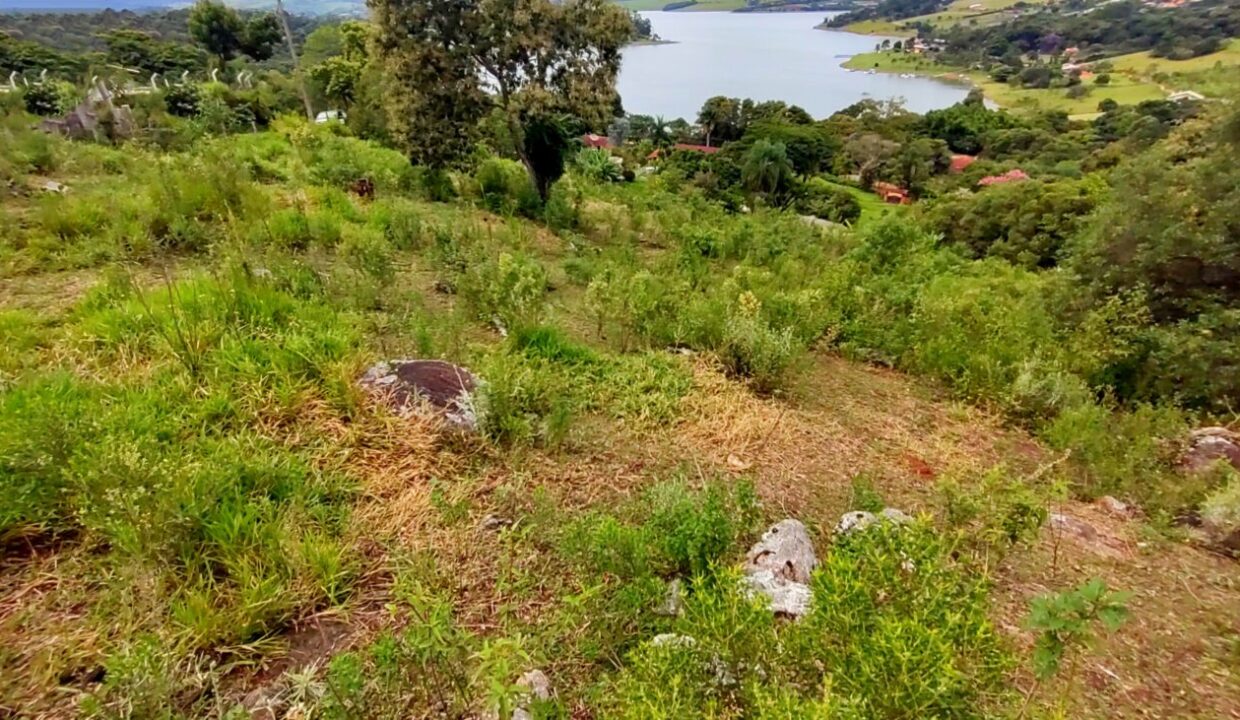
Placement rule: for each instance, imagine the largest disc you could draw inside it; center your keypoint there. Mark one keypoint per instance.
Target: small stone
(785, 550)
(860, 519)
(1072, 526)
(675, 640)
(493, 523)
(1116, 507)
(855, 520)
(673, 602)
(535, 687)
(788, 597)
(896, 516)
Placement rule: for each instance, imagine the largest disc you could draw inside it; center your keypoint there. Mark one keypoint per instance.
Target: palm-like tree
(767, 171)
(661, 134)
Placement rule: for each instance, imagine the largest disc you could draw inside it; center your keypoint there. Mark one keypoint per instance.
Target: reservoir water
(763, 56)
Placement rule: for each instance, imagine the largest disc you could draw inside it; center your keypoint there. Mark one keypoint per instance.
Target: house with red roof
(960, 162)
(591, 140)
(892, 194)
(1015, 175)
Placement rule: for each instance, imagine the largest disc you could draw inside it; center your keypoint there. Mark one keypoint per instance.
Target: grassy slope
(1123, 89)
(1212, 75)
(958, 11)
(420, 499)
(701, 6)
(872, 207)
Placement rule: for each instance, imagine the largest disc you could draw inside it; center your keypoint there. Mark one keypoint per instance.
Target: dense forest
(482, 397)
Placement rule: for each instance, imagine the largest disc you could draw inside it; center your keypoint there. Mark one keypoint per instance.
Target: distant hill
(70, 5)
(297, 7)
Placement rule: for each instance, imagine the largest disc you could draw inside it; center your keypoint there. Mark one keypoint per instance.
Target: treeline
(888, 10)
(67, 44)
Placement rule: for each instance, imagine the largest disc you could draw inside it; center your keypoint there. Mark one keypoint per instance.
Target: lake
(763, 56)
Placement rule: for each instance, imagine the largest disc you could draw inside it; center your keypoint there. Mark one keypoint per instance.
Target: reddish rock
(1209, 445)
(433, 386)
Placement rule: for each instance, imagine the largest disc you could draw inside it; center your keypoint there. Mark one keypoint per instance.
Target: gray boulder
(787, 597)
(785, 550)
(426, 387)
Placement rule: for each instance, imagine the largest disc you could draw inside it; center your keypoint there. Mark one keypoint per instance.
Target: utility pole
(292, 51)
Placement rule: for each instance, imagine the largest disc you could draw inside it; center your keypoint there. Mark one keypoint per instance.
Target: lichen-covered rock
(675, 640)
(785, 550)
(673, 601)
(860, 519)
(431, 387)
(1209, 445)
(787, 597)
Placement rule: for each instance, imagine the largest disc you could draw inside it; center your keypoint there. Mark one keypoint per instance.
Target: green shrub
(896, 629)
(900, 629)
(401, 222)
(596, 164)
(753, 350)
(508, 287)
(505, 186)
(824, 201)
(50, 98)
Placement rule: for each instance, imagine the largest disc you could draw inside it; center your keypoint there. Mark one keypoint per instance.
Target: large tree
(451, 62)
(221, 31)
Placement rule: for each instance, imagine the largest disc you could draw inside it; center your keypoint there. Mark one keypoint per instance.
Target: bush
(896, 629)
(753, 350)
(506, 187)
(508, 288)
(821, 200)
(596, 164)
(50, 98)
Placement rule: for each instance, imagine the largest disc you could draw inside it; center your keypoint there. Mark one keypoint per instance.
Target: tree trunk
(518, 143)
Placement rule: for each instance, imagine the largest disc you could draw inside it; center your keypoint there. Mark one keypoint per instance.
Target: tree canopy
(449, 63)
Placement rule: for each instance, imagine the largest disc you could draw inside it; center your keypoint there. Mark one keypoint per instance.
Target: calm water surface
(776, 56)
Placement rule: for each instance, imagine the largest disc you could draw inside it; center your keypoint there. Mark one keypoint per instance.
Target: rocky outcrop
(785, 550)
(779, 565)
(427, 387)
(1209, 445)
(787, 597)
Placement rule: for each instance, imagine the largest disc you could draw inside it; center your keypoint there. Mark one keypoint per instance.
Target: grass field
(1213, 75)
(1124, 89)
(872, 207)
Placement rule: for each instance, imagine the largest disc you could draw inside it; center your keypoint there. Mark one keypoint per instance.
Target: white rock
(535, 687)
(855, 520)
(787, 597)
(785, 550)
(860, 519)
(673, 640)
